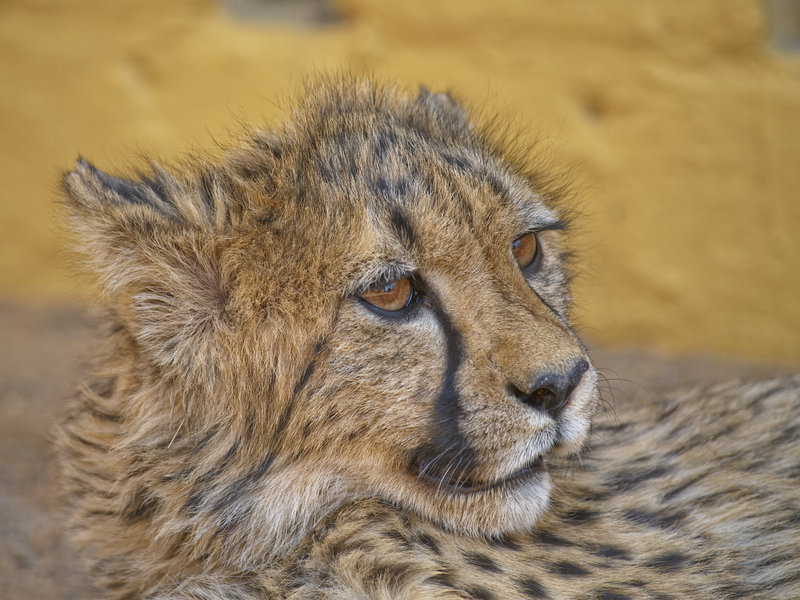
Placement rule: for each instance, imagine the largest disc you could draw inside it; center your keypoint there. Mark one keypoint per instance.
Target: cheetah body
(266, 421)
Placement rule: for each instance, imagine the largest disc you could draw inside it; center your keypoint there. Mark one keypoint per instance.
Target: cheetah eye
(525, 250)
(392, 296)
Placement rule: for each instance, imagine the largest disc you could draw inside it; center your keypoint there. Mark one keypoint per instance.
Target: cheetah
(338, 363)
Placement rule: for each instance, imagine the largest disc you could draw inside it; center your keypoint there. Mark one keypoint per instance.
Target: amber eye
(392, 295)
(525, 248)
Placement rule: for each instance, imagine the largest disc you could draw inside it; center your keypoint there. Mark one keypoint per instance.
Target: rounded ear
(114, 220)
(442, 106)
(152, 244)
(86, 183)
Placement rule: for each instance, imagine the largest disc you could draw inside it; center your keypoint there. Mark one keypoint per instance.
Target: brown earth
(40, 358)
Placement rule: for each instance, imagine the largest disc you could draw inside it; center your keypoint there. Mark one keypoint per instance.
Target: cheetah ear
(120, 224)
(443, 107)
(202, 200)
(154, 252)
(87, 183)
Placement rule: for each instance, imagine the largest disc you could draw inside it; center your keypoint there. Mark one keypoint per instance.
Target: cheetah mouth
(455, 483)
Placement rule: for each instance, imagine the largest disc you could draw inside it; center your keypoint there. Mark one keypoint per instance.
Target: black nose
(550, 392)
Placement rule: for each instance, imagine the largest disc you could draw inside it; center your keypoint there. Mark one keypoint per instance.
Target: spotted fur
(254, 428)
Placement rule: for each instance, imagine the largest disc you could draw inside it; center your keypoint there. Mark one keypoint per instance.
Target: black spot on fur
(84, 441)
(266, 219)
(444, 579)
(612, 552)
(684, 486)
(551, 539)
(532, 588)
(787, 435)
(141, 507)
(568, 569)
(479, 593)
(665, 415)
(770, 392)
(735, 592)
(628, 481)
(505, 542)
(715, 497)
(458, 162)
(100, 513)
(340, 547)
(384, 140)
(400, 537)
(661, 519)
(221, 465)
(356, 433)
(393, 575)
(482, 561)
(393, 189)
(115, 584)
(679, 429)
(671, 561)
(382, 187)
(402, 226)
(611, 427)
(306, 375)
(95, 474)
(104, 386)
(283, 420)
(609, 595)
(196, 497)
(788, 578)
(425, 540)
(773, 560)
(243, 484)
(581, 515)
(93, 409)
(496, 185)
(206, 191)
(267, 146)
(192, 503)
(205, 440)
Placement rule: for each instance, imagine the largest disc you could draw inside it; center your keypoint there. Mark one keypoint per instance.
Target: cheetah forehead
(384, 168)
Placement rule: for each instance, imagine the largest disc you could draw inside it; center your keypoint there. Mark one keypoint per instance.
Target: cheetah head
(369, 301)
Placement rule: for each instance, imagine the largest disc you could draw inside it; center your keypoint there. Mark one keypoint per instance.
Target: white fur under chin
(506, 509)
(523, 508)
(286, 512)
(289, 505)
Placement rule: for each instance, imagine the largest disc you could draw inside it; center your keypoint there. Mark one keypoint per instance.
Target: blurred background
(677, 124)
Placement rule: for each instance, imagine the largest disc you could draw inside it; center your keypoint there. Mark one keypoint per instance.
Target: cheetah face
(367, 302)
(451, 371)
(448, 376)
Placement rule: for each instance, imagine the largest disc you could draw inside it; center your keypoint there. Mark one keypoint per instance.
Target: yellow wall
(679, 124)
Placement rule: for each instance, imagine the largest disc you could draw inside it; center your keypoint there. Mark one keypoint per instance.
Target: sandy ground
(40, 355)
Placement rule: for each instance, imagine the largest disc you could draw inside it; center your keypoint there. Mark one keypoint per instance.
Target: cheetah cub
(338, 364)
